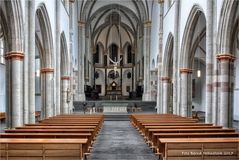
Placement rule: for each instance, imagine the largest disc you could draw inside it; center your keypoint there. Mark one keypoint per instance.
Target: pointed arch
(153, 64)
(101, 52)
(168, 55)
(195, 13)
(64, 55)
(11, 18)
(225, 29)
(46, 31)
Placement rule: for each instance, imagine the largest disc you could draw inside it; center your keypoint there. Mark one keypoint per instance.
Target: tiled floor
(118, 140)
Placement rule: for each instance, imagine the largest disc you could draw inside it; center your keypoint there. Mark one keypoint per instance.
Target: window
(97, 54)
(114, 52)
(129, 54)
(2, 60)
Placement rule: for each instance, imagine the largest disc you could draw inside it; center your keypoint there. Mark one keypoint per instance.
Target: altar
(114, 107)
(113, 94)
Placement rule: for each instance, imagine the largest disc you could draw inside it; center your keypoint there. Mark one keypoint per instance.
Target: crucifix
(115, 63)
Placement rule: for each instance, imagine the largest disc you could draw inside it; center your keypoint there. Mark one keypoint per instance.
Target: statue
(115, 63)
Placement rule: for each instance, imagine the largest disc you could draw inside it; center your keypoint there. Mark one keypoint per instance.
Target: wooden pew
(49, 130)
(64, 124)
(88, 136)
(140, 125)
(199, 148)
(189, 130)
(156, 136)
(37, 115)
(94, 133)
(56, 127)
(45, 135)
(64, 127)
(159, 127)
(34, 149)
(146, 128)
(2, 116)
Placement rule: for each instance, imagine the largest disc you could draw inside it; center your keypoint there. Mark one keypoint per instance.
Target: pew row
(199, 148)
(36, 149)
(157, 128)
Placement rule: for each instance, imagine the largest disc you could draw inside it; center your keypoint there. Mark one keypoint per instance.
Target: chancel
(119, 79)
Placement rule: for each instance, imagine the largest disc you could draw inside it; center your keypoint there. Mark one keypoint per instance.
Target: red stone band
(65, 78)
(165, 79)
(47, 70)
(14, 55)
(186, 70)
(226, 57)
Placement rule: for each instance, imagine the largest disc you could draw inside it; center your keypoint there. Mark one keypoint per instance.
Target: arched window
(97, 54)
(129, 54)
(113, 52)
(2, 60)
(153, 63)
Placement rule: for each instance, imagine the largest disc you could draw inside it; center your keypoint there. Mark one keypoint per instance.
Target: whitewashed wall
(236, 89)
(199, 101)
(155, 34)
(2, 88)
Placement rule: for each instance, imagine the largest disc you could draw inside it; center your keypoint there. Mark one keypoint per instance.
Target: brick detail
(165, 79)
(65, 78)
(185, 70)
(14, 55)
(226, 57)
(47, 70)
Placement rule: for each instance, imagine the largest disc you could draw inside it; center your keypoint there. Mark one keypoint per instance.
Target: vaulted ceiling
(125, 16)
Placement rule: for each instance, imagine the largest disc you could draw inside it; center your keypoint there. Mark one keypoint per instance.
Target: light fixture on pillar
(198, 70)
(198, 73)
(68, 95)
(38, 73)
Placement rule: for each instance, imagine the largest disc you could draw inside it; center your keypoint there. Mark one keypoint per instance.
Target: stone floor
(118, 140)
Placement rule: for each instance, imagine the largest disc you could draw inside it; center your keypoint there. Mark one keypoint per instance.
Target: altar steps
(116, 117)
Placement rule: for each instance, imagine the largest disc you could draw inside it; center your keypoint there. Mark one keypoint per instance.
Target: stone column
(47, 98)
(215, 83)
(159, 94)
(81, 50)
(165, 93)
(186, 108)
(64, 92)
(26, 71)
(209, 65)
(225, 115)
(87, 65)
(14, 60)
(31, 61)
(175, 57)
(147, 36)
(58, 59)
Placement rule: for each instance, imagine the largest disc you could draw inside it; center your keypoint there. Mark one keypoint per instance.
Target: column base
(157, 108)
(146, 96)
(81, 97)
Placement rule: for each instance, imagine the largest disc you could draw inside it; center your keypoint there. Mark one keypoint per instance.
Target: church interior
(119, 79)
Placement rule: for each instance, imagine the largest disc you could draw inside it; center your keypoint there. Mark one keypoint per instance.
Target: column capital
(165, 79)
(81, 23)
(72, 1)
(14, 55)
(160, 1)
(186, 70)
(226, 57)
(47, 70)
(147, 24)
(65, 78)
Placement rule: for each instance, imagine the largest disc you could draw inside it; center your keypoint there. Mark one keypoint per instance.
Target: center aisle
(118, 140)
